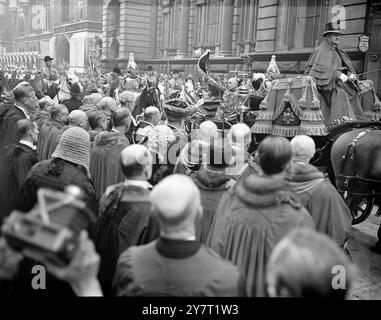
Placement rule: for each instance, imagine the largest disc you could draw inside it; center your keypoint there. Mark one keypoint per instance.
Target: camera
(51, 230)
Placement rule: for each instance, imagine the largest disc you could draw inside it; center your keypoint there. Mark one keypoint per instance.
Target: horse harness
(348, 155)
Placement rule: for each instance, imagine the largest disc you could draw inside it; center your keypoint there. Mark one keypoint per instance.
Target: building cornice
(87, 25)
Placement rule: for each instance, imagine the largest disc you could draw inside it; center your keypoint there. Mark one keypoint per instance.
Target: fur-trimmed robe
(251, 219)
(327, 208)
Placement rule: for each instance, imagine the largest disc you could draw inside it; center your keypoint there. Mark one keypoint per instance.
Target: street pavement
(368, 282)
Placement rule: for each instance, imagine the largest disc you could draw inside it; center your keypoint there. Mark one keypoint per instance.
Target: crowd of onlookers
(175, 214)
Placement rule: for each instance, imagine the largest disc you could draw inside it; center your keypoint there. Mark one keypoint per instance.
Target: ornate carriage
(291, 107)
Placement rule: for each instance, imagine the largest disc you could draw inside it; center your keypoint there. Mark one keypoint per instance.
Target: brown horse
(356, 161)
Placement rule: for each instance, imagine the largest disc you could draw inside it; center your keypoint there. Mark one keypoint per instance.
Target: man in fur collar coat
(256, 213)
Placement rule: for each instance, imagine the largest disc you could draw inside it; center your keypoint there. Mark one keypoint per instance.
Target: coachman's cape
(338, 99)
(252, 217)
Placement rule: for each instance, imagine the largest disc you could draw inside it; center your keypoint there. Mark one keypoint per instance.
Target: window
(208, 24)
(171, 15)
(306, 21)
(247, 24)
(65, 11)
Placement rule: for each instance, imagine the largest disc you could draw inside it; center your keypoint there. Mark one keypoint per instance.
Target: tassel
(287, 95)
(315, 104)
(313, 131)
(302, 103)
(377, 104)
(262, 128)
(265, 115)
(310, 115)
(373, 116)
(288, 132)
(264, 103)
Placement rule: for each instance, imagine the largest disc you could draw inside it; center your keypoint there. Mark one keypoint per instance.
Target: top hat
(329, 28)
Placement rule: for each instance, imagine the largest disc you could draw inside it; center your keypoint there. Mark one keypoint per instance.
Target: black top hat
(48, 58)
(329, 28)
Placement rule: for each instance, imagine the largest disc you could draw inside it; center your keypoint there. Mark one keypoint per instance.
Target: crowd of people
(176, 214)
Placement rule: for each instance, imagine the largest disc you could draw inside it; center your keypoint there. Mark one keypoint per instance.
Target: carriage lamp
(242, 108)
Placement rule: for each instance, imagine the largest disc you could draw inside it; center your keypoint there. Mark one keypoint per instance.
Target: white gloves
(343, 77)
(352, 77)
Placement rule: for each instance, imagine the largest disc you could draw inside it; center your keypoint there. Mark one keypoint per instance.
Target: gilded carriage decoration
(291, 107)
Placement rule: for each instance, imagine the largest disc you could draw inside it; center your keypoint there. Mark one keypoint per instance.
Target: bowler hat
(48, 58)
(329, 28)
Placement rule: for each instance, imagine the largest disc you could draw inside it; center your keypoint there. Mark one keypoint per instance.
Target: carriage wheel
(361, 207)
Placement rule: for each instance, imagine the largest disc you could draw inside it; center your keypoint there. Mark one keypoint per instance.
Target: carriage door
(374, 54)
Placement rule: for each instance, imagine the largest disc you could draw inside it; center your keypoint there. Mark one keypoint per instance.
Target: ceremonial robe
(48, 138)
(327, 208)
(105, 166)
(250, 221)
(124, 220)
(176, 268)
(325, 65)
(212, 185)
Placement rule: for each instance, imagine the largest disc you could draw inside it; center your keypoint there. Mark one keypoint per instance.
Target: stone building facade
(241, 34)
(63, 29)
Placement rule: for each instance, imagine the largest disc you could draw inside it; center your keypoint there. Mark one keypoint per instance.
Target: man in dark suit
(21, 159)
(25, 106)
(176, 264)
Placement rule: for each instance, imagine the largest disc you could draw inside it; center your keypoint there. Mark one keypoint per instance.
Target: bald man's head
(208, 131)
(240, 135)
(78, 118)
(176, 201)
(152, 115)
(303, 148)
(136, 162)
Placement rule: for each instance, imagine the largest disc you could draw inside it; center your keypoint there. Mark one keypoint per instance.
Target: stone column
(281, 27)
(227, 28)
(153, 29)
(123, 43)
(184, 28)
(105, 36)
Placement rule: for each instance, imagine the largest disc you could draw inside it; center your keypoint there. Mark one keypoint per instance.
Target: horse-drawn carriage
(292, 107)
